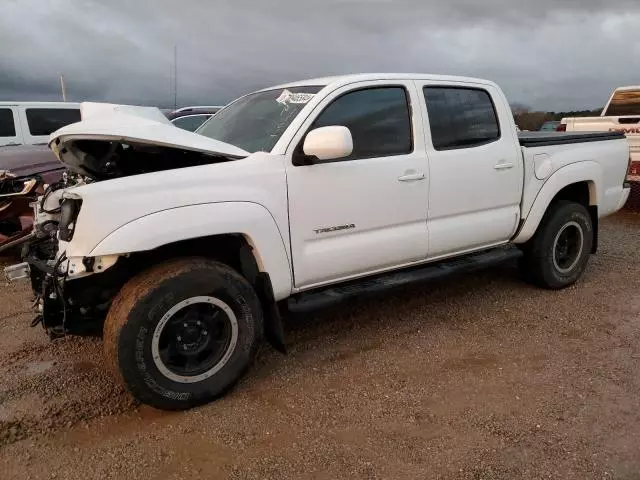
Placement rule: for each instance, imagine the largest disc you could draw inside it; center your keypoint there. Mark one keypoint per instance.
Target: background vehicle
(30, 123)
(621, 114)
(296, 197)
(550, 126)
(24, 171)
(190, 118)
(24, 131)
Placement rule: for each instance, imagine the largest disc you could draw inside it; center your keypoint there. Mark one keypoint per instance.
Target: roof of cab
(340, 80)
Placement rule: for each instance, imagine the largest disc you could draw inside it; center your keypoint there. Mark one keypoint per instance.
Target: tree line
(529, 120)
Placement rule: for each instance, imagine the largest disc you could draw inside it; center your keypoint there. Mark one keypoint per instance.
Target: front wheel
(182, 333)
(557, 255)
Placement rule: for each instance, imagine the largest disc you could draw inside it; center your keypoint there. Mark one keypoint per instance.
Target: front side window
(7, 126)
(461, 117)
(45, 121)
(190, 122)
(624, 102)
(256, 122)
(378, 119)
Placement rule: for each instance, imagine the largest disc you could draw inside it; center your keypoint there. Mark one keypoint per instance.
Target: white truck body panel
(324, 223)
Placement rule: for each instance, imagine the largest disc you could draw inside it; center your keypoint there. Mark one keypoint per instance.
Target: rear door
(9, 127)
(40, 122)
(366, 212)
(475, 165)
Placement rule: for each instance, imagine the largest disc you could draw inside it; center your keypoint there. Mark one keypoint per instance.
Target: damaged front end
(67, 299)
(108, 156)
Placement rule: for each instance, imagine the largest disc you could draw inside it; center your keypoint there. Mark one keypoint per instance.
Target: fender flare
(589, 171)
(249, 219)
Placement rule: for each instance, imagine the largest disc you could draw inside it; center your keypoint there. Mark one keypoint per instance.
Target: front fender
(589, 171)
(168, 226)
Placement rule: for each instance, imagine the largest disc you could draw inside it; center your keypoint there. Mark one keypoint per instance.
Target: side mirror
(328, 143)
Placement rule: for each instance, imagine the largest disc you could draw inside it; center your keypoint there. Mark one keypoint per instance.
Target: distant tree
(519, 108)
(530, 120)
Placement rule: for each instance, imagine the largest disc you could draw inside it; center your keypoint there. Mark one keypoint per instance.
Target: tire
(183, 333)
(557, 255)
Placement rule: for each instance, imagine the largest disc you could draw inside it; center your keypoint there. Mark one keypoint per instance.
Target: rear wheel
(557, 255)
(182, 333)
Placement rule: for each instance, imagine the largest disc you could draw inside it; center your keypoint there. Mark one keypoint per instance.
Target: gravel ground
(477, 377)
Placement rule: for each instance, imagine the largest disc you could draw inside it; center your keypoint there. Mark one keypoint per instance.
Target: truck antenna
(175, 77)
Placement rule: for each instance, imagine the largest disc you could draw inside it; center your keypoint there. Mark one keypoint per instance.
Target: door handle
(411, 177)
(503, 166)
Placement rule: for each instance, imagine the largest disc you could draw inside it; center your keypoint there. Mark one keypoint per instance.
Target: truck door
(368, 211)
(476, 168)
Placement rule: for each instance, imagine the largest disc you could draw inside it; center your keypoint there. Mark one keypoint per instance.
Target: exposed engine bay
(103, 160)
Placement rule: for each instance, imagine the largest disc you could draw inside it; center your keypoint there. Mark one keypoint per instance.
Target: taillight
(633, 170)
(561, 128)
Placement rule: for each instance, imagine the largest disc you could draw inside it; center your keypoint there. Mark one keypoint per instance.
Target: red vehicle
(24, 171)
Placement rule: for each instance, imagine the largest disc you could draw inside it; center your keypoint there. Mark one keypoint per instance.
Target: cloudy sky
(550, 54)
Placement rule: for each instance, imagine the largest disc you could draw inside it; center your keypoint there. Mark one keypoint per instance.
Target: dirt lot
(478, 377)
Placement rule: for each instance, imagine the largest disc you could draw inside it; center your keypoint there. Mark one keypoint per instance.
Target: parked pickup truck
(296, 197)
(621, 114)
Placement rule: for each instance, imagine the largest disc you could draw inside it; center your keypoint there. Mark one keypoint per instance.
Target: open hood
(142, 126)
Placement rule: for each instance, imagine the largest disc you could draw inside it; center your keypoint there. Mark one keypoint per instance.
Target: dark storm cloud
(548, 53)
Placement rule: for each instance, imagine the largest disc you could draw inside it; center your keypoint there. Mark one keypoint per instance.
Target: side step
(321, 298)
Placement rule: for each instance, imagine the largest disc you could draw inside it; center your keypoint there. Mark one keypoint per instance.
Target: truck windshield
(256, 122)
(624, 102)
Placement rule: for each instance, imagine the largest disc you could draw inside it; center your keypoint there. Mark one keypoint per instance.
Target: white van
(31, 123)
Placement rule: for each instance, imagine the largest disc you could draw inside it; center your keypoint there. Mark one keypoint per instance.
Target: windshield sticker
(288, 97)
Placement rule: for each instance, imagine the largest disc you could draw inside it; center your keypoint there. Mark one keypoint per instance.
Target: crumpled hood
(140, 125)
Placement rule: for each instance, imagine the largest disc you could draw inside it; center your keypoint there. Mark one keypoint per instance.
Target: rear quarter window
(44, 121)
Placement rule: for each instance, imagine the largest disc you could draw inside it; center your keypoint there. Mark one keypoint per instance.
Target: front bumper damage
(71, 296)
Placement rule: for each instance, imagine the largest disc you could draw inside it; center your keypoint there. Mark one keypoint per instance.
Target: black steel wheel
(194, 339)
(557, 255)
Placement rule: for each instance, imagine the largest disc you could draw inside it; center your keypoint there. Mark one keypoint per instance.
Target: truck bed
(540, 139)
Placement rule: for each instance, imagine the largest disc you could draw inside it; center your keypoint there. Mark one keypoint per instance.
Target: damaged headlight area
(69, 210)
(70, 300)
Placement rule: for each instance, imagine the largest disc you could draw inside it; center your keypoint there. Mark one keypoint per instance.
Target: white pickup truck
(295, 197)
(621, 114)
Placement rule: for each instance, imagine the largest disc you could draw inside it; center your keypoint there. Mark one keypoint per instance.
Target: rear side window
(378, 119)
(44, 121)
(461, 117)
(624, 102)
(7, 127)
